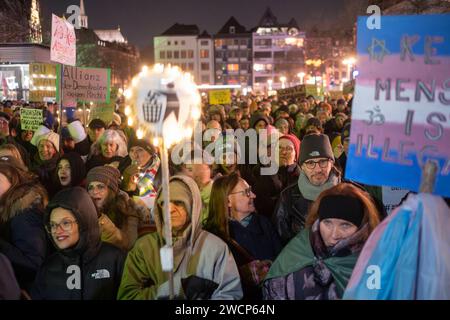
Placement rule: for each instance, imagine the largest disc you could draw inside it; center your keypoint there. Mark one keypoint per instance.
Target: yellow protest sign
(220, 97)
(44, 82)
(30, 119)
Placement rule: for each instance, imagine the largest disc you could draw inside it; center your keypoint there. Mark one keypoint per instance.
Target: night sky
(140, 20)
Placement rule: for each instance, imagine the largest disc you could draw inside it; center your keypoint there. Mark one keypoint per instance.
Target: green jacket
(197, 252)
(299, 254)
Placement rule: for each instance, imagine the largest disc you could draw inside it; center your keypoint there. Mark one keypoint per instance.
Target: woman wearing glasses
(318, 262)
(250, 236)
(84, 267)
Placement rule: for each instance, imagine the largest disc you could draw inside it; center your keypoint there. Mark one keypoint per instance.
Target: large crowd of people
(81, 207)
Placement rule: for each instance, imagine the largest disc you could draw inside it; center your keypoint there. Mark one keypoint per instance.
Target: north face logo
(101, 274)
(315, 154)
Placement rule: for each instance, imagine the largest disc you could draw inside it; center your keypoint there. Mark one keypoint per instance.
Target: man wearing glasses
(318, 173)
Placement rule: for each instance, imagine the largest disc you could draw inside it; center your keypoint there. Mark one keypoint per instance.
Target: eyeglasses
(247, 192)
(312, 164)
(66, 225)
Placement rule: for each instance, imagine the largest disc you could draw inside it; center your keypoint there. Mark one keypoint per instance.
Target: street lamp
(349, 62)
(283, 82)
(301, 76)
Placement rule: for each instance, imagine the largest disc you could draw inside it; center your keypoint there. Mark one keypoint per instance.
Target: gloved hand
(196, 288)
(130, 178)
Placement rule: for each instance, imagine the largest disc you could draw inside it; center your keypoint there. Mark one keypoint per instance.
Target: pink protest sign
(63, 44)
(85, 85)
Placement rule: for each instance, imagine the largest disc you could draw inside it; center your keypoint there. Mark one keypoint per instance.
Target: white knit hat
(50, 136)
(77, 131)
(39, 132)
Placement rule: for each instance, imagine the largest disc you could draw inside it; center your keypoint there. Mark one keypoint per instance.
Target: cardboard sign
(30, 119)
(85, 85)
(349, 87)
(297, 91)
(44, 82)
(63, 43)
(220, 97)
(400, 116)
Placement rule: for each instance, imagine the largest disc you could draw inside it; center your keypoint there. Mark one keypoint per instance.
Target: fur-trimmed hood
(21, 197)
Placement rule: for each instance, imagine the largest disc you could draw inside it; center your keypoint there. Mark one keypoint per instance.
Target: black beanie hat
(315, 146)
(341, 207)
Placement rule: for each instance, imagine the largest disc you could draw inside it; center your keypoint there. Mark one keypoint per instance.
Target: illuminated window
(204, 53)
(233, 67)
(190, 54)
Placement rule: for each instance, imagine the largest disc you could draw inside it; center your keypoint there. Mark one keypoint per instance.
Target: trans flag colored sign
(401, 108)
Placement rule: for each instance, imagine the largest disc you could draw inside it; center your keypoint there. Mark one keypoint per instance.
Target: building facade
(233, 55)
(278, 53)
(184, 46)
(106, 48)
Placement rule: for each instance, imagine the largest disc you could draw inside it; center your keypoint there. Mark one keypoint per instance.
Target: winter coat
(307, 270)
(293, 207)
(268, 188)
(120, 222)
(9, 288)
(89, 270)
(200, 258)
(22, 235)
(259, 237)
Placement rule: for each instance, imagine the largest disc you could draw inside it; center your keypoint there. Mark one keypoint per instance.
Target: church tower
(83, 16)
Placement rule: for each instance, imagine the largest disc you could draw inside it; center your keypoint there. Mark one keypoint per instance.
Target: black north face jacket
(90, 270)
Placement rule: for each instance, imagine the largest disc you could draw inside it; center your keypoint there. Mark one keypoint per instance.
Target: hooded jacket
(89, 270)
(22, 233)
(196, 253)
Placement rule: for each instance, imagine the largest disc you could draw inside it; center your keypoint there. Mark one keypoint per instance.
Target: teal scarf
(311, 192)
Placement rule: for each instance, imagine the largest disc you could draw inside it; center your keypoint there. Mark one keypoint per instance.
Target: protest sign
(220, 97)
(400, 116)
(44, 82)
(30, 119)
(63, 43)
(292, 92)
(85, 85)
